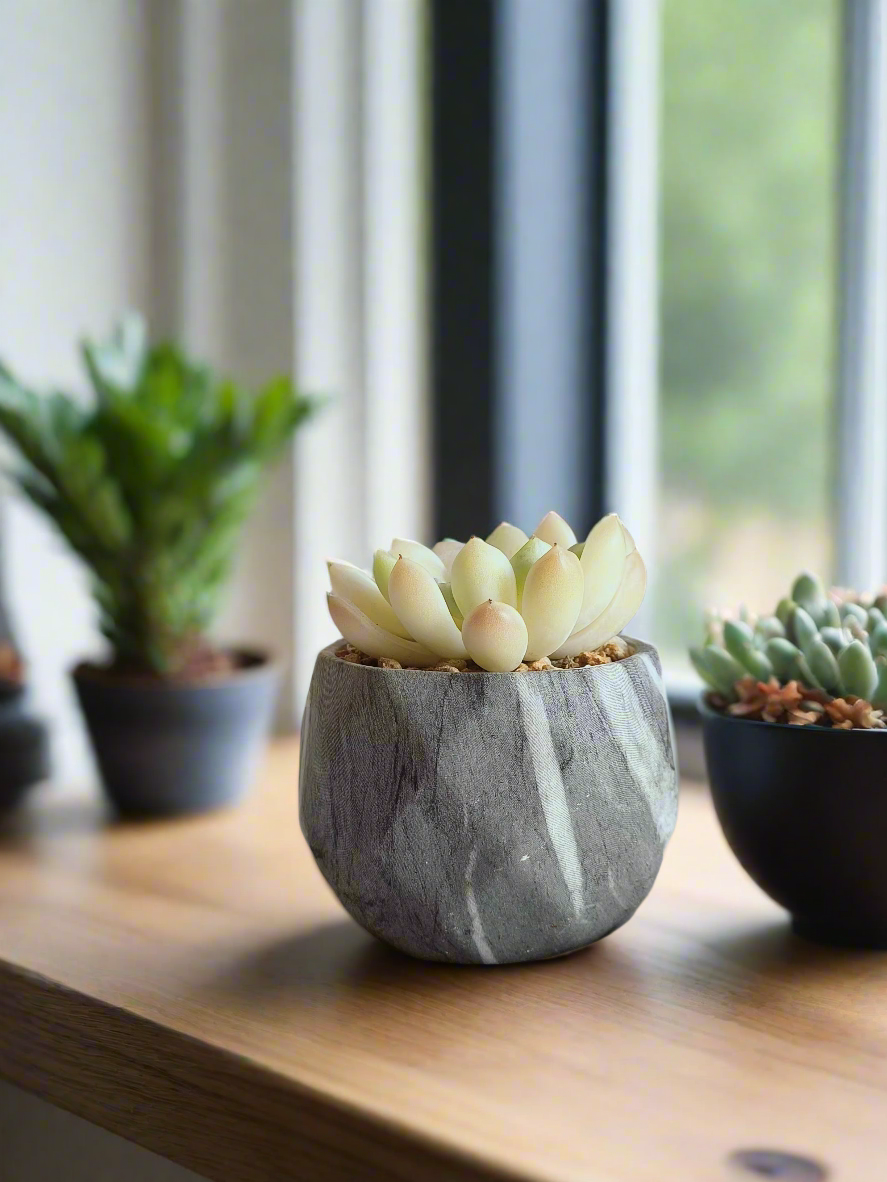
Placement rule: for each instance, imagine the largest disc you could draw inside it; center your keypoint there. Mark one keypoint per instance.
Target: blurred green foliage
(150, 483)
(749, 178)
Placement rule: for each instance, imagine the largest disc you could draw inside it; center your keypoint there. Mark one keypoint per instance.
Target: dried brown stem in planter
(768, 701)
(852, 713)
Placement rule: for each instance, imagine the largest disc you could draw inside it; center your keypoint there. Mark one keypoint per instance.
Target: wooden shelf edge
(197, 1104)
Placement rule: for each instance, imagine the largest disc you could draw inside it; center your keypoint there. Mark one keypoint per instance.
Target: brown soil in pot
(616, 649)
(210, 665)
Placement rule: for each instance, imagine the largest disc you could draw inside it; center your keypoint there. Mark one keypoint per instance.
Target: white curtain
(251, 176)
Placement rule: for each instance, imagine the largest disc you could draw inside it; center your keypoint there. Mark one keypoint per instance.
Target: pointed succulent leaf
(421, 608)
(758, 665)
(878, 640)
(879, 696)
(359, 630)
(495, 636)
(552, 528)
(881, 602)
(531, 551)
(875, 617)
(803, 628)
(697, 659)
(551, 601)
(603, 561)
(783, 656)
(724, 670)
(823, 664)
(831, 615)
(351, 583)
(508, 538)
(854, 611)
(616, 615)
(446, 550)
(383, 565)
(768, 628)
(407, 548)
(836, 638)
(859, 674)
(449, 599)
(807, 590)
(630, 546)
(806, 675)
(577, 549)
(784, 611)
(738, 639)
(481, 572)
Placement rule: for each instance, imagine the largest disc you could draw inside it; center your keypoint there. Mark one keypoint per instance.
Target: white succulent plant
(508, 599)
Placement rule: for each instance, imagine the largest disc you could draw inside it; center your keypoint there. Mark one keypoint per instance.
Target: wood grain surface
(194, 986)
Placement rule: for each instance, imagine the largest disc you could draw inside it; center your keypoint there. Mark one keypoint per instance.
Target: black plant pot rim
(708, 711)
(640, 646)
(255, 663)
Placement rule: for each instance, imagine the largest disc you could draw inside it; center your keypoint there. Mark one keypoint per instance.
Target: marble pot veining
(488, 818)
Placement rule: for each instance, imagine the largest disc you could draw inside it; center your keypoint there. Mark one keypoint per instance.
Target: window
(748, 305)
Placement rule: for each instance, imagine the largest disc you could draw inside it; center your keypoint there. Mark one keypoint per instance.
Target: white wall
(73, 251)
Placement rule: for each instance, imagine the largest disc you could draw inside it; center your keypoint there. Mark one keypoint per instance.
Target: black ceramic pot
(24, 749)
(804, 809)
(164, 749)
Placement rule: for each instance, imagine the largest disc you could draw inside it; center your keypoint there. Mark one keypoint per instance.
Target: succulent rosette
(499, 602)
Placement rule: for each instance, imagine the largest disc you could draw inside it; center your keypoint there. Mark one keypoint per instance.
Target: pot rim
(260, 664)
(708, 711)
(641, 649)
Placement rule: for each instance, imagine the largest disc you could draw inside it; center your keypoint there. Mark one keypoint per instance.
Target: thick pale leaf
(618, 612)
(630, 546)
(551, 601)
(531, 551)
(481, 572)
(405, 548)
(351, 583)
(446, 550)
(447, 592)
(495, 636)
(383, 565)
(552, 528)
(419, 603)
(360, 631)
(859, 673)
(603, 560)
(507, 538)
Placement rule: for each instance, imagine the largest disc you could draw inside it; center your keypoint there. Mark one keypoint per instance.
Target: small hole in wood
(773, 1164)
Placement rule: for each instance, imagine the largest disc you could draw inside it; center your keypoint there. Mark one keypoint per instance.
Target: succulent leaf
(784, 657)
(784, 611)
(831, 615)
(878, 640)
(406, 548)
(854, 611)
(552, 528)
(769, 628)
(879, 697)
(383, 565)
(446, 550)
(803, 628)
(508, 538)
(836, 638)
(351, 583)
(551, 601)
(859, 674)
(495, 636)
(481, 572)
(359, 630)
(697, 659)
(449, 599)
(603, 561)
(616, 615)
(422, 610)
(531, 551)
(823, 664)
(725, 671)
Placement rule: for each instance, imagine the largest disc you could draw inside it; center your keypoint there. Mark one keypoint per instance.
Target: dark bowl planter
(804, 809)
(24, 748)
(169, 748)
(488, 818)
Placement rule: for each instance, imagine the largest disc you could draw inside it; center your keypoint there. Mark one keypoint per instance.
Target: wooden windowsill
(194, 986)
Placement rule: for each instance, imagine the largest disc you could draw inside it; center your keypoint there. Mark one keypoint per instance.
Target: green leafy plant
(150, 483)
(833, 644)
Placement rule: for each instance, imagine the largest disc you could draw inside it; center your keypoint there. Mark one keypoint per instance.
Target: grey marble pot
(488, 818)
